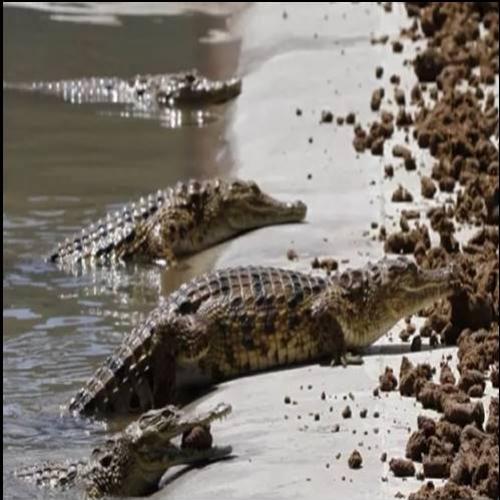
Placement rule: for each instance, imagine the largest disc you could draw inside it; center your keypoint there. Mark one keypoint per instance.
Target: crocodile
(132, 462)
(146, 92)
(177, 221)
(241, 320)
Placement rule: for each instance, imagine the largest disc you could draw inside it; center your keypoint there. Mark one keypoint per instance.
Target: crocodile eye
(254, 188)
(413, 267)
(105, 461)
(237, 186)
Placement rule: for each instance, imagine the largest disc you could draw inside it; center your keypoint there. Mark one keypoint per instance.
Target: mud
(455, 123)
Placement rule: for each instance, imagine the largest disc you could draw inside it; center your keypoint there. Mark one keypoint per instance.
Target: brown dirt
(427, 186)
(449, 491)
(456, 126)
(328, 264)
(454, 120)
(401, 195)
(401, 467)
(412, 378)
(388, 381)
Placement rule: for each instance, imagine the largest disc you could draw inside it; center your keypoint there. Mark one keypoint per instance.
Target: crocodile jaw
(251, 214)
(156, 427)
(200, 90)
(154, 451)
(377, 299)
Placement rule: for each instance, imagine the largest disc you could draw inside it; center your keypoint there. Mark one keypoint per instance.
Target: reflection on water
(64, 166)
(175, 99)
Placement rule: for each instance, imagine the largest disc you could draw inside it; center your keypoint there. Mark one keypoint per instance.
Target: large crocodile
(147, 92)
(133, 462)
(178, 221)
(238, 321)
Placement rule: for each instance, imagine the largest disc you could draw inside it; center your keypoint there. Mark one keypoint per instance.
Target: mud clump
(427, 187)
(388, 381)
(463, 413)
(400, 151)
(494, 376)
(355, 460)
(326, 116)
(492, 423)
(376, 100)
(407, 242)
(375, 138)
(449, 491)
(401, 467)
(470, 379)
(291, 254)
(455, 119)
(389, 171)
(477, 350)
(328, 264)
(401, 195)
(446, 376)
(413, 378)
(428, 65)
(347, 412)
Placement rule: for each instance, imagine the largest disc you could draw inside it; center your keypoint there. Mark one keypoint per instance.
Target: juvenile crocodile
(142, 91)
(238, 321)
(133, 462)
(178, 221)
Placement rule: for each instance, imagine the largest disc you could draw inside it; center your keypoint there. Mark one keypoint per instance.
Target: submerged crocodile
(178, 221)
(133, 462)
(237, 321)
(143, 91)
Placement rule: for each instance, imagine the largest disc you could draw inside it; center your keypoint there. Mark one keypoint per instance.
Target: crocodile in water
(178, 221)
(133, 462)
(237, 321)
(145, 92)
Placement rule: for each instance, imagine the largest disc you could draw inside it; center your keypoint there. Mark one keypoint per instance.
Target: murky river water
(63, 166)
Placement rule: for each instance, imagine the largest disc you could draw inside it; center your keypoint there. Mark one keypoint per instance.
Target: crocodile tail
(50, 474)
(139, 376)
(113, 237)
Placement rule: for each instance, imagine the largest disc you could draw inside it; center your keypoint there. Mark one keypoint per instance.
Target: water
(64, 166)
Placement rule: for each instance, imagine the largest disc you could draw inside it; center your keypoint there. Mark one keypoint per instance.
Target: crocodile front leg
(176, 232)
(331, 335)
(158, 244)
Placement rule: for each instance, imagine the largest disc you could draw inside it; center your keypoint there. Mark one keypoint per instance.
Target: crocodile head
(191, 88)
(223, 208)
(374, 298)
(133, 462)
(247, 207)
(149, 451)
